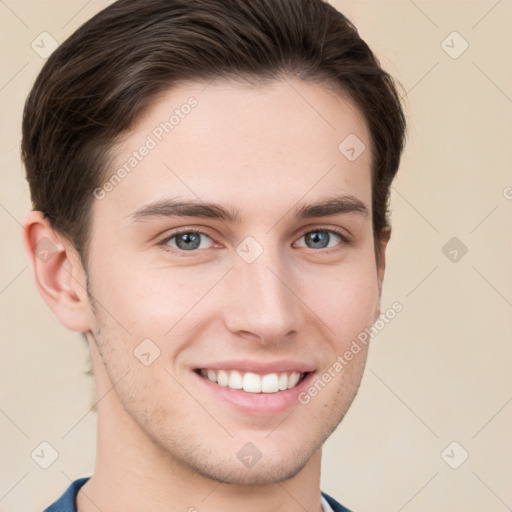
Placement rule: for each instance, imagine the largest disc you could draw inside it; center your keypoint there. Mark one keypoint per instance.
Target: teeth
(222, 378)
(252, 382)
(270, 383)
(294, 379)
(236, 380)
(283, 382)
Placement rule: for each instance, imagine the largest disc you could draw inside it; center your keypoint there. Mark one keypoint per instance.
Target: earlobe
(58, 272)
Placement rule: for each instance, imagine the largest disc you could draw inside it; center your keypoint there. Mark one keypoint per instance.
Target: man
(210, 179)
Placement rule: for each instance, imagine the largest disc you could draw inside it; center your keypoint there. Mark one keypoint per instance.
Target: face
(231, 264)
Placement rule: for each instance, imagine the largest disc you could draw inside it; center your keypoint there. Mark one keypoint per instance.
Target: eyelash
(182, 253)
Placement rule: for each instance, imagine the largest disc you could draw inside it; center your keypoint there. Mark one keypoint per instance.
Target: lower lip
(258, 404)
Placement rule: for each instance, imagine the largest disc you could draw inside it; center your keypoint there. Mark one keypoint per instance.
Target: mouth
(251, 382)
(254, 388)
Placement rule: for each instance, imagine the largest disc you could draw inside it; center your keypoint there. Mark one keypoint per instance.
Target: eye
(188, 241)
(321, 239)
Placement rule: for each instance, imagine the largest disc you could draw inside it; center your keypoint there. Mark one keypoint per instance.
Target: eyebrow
(334, 206)
(193, 208)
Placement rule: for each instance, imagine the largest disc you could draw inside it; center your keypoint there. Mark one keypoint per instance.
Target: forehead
(236, 142)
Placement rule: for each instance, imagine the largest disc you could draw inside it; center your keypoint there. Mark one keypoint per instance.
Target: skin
(263, 151)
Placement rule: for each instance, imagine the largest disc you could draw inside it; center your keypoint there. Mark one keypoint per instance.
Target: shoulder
(67, 502)
(336, 507)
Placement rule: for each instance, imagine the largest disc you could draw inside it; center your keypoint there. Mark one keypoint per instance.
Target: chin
(262, 473)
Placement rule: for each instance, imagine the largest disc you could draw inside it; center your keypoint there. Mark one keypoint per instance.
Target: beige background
(439, 372)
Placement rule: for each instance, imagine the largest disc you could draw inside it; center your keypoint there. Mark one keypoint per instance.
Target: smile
(251, 382)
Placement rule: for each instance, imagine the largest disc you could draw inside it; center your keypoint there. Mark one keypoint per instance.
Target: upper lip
(260, 367)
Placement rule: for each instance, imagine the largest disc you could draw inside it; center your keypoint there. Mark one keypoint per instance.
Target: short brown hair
(99, 81)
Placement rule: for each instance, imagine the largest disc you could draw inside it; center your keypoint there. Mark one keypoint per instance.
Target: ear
(380, 258)
(58, 272)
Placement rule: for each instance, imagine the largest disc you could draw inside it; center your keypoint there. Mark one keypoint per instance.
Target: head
(211, 179)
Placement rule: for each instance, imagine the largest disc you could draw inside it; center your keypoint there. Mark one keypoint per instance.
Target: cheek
(347, 301)
(153, 301)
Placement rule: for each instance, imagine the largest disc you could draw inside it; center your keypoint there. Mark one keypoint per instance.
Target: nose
(263, 304)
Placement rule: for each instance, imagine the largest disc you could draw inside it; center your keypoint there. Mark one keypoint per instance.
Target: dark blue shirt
(67, 502)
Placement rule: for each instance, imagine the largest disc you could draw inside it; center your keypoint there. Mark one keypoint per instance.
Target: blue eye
(188, 241)
(321, 239)
(192, 241)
